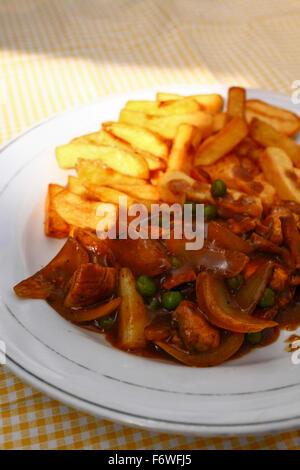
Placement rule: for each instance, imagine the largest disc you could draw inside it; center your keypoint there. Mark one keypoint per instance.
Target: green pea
(234, 283)
(267, 300)
(106, 323)
(154, 304)
(218, 188)
(254, 338)
(192, 205)
(172, 299)
(175, 262)
(145, 286)
(210, 212)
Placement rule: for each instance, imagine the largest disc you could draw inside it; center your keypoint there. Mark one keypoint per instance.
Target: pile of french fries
(170, 149)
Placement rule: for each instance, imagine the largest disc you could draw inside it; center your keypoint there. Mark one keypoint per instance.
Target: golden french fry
(145, 191)
(223, 142)
(107, 194)
(166, 126)
(281, 119)
(104, 137)
(267, 136)
(165, 108)
(55, 226)
(76, 186)
(142, 140)
(279, 171)
(130, 163)
(236, 102)
(93, 171)
(211, 102)
(197, 139)
(133, 316)
(92, 138)
(76, 210)
(181, 153)
(112, 195)
(219, 121)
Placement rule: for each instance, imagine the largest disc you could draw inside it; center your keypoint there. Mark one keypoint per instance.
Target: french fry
(142, 140)
(181, 153)
(76, 186)
(267, 136)
(279, 171)
(236, 102)
(96, 173)
(104, 137)
(223, 142)
(131, 163)
(212, 102)
(145, 191)
(92, 138)
(106, 194)
(165, 108)
(76, 210)
(133, 316)
(55, 226)
(219, 121)
(166, 126)
(112, 195)
(281, 119)
(197, 139)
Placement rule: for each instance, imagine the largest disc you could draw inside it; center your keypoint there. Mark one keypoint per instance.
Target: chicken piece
(266, 313)
(295, 280)
(273, 220)
(239, 203)
(195, 331)
(240, 227)
(56, 274)
(141, 256)
(260, 243)
(160, 328)
(97, 248)
(179, 277)
(280, 278)
(90, 284)
(291, 237)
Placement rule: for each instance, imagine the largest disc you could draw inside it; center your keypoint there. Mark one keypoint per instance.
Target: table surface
(55, 54)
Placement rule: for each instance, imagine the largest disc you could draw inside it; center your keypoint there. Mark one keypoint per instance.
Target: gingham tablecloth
(57, 53)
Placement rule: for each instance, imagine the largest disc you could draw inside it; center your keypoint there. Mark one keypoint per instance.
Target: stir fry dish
(155, 297)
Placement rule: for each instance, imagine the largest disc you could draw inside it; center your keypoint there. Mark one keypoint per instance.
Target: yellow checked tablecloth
(57, 53)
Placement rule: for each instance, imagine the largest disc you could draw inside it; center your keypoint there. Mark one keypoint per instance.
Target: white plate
(258, 393)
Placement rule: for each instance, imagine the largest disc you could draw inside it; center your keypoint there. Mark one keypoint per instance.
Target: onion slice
(230, 344)
(250, 293)
(221, 310)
